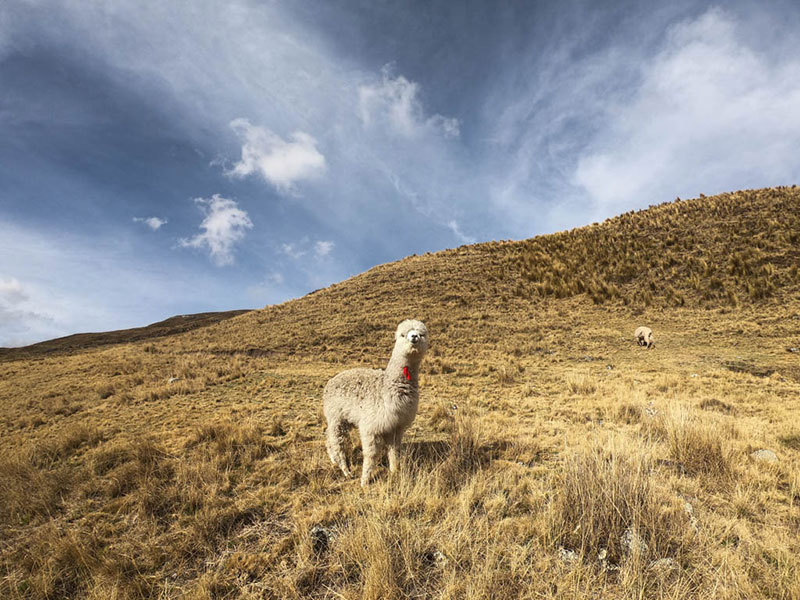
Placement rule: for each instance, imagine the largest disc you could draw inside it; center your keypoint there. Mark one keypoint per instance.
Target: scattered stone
(662, 566)
(793, 350)
(633, 542)
(602, 556)
(173, 379)
(765, 455)
(435, 557)
(689, 510)
(567, 555)
(321, 538)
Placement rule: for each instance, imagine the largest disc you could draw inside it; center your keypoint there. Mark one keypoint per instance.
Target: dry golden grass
(193, 465)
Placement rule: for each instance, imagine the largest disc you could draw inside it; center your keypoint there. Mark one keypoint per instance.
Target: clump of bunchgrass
(607, 496)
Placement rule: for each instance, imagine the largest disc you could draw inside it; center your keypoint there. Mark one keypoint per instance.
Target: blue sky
(162, 158)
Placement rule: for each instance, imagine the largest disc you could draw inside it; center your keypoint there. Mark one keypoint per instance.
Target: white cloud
(711, 114)
(224, 225)
(67, 284)
(23, 327)
(19, 320)
(22, 318)
(394, 102)
(153, 223)
(279, 162)
(465, 239)
(11, 291)
(322, 248)
(297, 250)
(294, 250)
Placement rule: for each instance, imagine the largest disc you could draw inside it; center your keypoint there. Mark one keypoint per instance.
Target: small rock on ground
(633, 542)
(663, 565)
(567, 555)
(765, 455)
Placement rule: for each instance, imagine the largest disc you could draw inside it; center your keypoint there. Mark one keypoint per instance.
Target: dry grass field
(551, 458)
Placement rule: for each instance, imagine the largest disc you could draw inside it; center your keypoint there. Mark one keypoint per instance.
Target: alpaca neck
(403, 368)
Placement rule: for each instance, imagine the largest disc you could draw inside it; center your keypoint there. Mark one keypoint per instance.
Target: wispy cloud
(63, 283)
(465, 239)
(299, 249)
(581, 131)
(153, 223)
(21, 320)
(11, 291)
(282, 163)
(224, 226)
(294, 250)
(711, 113)
(323, 248)
(394, 102)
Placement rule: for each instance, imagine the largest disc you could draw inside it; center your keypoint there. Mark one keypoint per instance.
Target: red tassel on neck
(406, 373)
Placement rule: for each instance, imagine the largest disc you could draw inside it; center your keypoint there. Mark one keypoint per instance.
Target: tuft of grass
(790, 440)
(604, 492)
(581, 384)
(698, 446)
(232, 444)
(27, 490)
(714, 404)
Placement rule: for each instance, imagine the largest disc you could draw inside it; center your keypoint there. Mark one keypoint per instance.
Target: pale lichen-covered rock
(633, 542)
(765, 455)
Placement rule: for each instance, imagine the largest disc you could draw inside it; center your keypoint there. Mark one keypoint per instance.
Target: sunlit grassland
(194, 465)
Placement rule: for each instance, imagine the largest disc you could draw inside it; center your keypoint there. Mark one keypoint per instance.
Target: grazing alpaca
(644, 337)
(381, 403)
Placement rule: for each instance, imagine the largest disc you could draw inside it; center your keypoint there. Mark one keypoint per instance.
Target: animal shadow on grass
(452, 461)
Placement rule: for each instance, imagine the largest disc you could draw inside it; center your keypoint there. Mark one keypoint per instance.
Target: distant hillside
(735, 249)
(85, 341)
(723, 250)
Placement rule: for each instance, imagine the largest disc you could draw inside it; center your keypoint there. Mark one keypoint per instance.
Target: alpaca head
(411, 338)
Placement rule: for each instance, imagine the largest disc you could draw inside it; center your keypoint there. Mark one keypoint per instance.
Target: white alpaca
(381, 403)
(644, 337)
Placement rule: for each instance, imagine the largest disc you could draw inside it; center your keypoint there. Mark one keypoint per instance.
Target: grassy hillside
(86, 341)
(551, 456)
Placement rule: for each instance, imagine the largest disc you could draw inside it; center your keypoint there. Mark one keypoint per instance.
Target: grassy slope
(87, 341)
(541, 426)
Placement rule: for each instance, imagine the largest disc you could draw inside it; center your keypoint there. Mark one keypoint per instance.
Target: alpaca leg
(333, 443)
(370, 447)
(394, 450)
